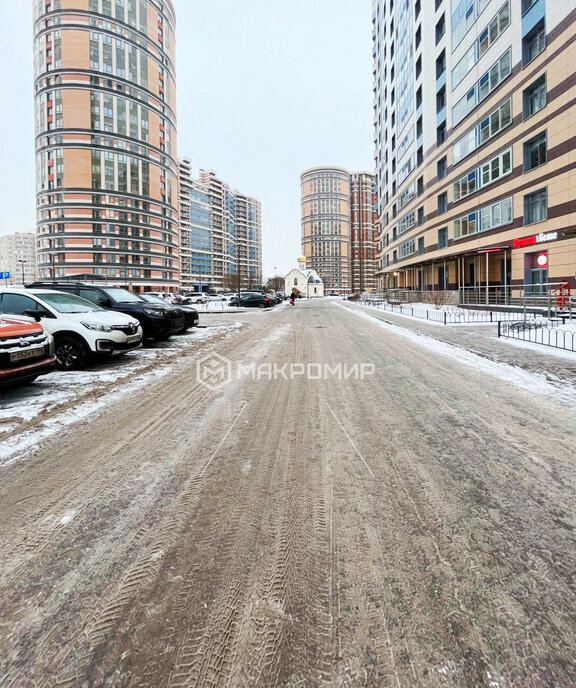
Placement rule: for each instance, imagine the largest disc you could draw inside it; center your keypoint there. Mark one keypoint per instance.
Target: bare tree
(275, 284)
(230, 282)
(438, 298)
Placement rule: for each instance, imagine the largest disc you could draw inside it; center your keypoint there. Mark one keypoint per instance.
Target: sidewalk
(558, 367)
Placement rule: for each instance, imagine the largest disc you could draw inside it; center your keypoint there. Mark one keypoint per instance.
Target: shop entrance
(536, 273)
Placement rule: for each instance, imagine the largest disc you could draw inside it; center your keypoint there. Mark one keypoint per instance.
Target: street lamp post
(238, 271)
(22, 261)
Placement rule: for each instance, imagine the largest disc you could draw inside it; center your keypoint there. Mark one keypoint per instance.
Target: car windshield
(122, 295)
(68, 303)
(153, 299)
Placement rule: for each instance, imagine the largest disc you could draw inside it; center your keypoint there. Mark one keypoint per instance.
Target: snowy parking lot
(32, 413)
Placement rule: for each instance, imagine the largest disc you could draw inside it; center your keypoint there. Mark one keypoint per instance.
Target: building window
(421, 249)
(534, 42)
(407, 249)
(441, 64)
(496, 121)
(534, 97)
(441, 133)
(421, 215)
(494, 29)
(487, 83)
(526, 5)
(536, 207)
(494, 169)
(420, 156)
(535, 152)
(442, 203)
(406, 196)
(489, 217)
(406, 223)
(440, 28)
(442, 167)
(443, 237)
(441, 99)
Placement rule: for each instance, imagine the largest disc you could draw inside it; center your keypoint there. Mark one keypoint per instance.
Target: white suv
(196, 297)
(81, 329)
(166, 296)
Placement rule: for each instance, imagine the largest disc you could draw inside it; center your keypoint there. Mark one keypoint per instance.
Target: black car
(158, 321)
(252, 301)
(190, 314)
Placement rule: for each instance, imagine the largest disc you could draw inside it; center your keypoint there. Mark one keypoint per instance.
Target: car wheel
(71, 354)
(261, 305)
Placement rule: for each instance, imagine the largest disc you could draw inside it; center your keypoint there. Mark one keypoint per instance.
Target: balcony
(441, 81)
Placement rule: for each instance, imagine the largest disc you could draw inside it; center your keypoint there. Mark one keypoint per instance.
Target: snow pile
(446, 315)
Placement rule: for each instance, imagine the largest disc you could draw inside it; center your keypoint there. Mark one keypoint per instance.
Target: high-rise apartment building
(221, 233)
(363, 229)
(338, 227)
(106, 163)
(18, 257)
(473, 144)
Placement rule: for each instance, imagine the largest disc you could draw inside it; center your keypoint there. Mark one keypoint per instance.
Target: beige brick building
(107, 173)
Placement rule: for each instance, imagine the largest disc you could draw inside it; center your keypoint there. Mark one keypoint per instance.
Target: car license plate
(29, 353)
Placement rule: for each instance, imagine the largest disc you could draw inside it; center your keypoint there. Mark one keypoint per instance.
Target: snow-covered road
(411, 528)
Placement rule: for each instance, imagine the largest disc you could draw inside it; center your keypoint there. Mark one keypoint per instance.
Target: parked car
(157, 321)
(190, 314)
(26, 351)
(196, 297)
(252, 301)
(216, 298)
(167, 296)
(81, 329)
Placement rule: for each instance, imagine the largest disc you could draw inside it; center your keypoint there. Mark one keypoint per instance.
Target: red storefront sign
(536, 239)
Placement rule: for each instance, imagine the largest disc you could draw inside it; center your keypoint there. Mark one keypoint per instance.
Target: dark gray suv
(158, 322)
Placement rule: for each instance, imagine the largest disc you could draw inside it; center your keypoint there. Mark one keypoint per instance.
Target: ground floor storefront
(540, 265)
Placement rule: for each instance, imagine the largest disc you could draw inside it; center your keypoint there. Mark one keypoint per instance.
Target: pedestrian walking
(293, 296)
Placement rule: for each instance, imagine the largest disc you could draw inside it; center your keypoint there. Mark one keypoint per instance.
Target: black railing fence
(554, 333)
(447, 315)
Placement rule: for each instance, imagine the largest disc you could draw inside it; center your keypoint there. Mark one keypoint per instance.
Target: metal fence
(448, 316)
(549, 298)
(545, 332)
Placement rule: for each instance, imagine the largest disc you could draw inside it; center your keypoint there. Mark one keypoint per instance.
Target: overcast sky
(265, 90)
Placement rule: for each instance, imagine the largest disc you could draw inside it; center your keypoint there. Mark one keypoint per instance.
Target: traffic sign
(4, 275)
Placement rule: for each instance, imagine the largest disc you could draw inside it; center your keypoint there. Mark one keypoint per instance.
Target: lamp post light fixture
(22, 262)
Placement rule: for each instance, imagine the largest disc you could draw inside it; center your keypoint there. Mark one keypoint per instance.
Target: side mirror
(38, 314)
(103, 302)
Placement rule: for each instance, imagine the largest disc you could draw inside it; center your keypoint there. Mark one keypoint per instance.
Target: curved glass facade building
(105, 119)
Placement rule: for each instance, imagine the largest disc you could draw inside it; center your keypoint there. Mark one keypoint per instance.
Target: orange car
(26, 351)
